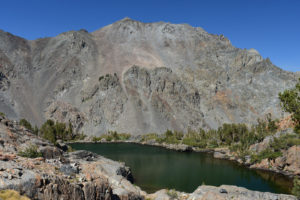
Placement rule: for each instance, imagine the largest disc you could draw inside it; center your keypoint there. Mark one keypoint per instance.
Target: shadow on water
(156, 168)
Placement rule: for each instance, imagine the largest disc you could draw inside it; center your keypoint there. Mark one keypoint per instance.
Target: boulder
(60, 144)
(50, 152)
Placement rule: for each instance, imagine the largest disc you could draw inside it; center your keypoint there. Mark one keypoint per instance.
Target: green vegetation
(172, 194)
(236, 136)
(11, 195)
(112, 136)
(150, 136)
(284, 142)
(268, 153)
(195, 139)
(2, 114)
(30, 152)
(290, 102)
(169, 137)
(106, 76)
(100, 78)
(54, 131)
(79, 136)
(296, 188)
(26, 124)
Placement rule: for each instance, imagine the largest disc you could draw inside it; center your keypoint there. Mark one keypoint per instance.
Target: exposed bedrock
(137, 77)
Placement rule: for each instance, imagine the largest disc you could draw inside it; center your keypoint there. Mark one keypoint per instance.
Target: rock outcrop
(58, 174)
(223, 192)
(137, 77)
(288, 163)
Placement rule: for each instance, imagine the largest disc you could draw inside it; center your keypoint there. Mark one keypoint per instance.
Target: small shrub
(150, 136)
(70, 149)
(178, 135)
(172, 194)
(2, 114)
(114, 135)
(272, 124)
(267, 153)
(168, 133)
(213, 144)
(194, 143)
(80, 136)
(100, 78)
(296, 188)
(96, 139)
(284, 142)
(171, 140)
(26, 124)
(36, 130)
(30, 152)
(108, 138)
(124, 136)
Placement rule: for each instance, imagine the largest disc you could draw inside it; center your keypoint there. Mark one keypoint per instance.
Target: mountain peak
(205, 81)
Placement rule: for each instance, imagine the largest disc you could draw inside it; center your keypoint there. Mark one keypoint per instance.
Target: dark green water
(156, 168)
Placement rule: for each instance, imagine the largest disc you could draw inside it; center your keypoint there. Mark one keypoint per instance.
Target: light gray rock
(78, 175)
(139, 78)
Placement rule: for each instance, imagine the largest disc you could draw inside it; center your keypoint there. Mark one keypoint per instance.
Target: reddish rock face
(7, 157)
(288, 163)
(293, 160)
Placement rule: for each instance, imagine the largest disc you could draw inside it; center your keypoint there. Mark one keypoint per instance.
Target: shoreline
(217, 153)
(57, 173)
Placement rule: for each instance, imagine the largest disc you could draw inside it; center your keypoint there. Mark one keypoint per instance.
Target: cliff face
(137, 77)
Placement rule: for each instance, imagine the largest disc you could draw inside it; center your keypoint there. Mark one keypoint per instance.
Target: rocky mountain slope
(58, 174)
(137, 77)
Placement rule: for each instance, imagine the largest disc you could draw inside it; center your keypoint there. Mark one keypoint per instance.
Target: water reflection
(156, 168)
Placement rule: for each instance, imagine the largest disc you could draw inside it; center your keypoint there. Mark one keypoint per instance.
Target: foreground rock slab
(224, 192)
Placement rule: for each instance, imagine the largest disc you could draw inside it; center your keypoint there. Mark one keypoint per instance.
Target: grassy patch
(11, 195)
(30, 152)
(150, 136)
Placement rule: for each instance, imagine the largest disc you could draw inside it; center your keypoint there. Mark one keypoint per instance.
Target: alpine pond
(156, 168)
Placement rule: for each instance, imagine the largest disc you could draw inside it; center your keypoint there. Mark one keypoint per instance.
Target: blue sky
(270, 26)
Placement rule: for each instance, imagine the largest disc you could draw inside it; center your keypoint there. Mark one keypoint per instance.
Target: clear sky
(270, 26)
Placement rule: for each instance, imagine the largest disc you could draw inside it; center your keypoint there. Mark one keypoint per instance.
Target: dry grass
(11, 195)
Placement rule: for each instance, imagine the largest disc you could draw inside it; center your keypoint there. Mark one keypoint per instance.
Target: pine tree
(290, 102)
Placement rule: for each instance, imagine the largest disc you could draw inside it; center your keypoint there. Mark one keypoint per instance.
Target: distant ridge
(139, 78)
